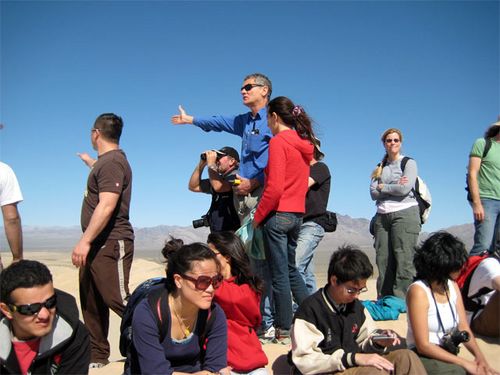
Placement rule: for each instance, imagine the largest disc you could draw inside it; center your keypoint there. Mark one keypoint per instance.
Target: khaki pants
(246, 203)
(405, 361)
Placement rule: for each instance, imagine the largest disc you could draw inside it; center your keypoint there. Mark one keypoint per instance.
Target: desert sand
(66, 278)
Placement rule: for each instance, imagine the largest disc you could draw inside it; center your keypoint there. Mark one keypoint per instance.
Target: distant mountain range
(150, 240)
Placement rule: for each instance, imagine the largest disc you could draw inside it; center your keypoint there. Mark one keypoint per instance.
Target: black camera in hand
(451, 340)
(202, 222)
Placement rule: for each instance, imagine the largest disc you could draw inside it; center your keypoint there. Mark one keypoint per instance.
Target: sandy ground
(66, 278)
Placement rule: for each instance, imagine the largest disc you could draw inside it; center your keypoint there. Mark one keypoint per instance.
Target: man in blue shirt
(252, 128)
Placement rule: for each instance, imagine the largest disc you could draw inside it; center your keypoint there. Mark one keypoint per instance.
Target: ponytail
(293, 116)
(377, 172)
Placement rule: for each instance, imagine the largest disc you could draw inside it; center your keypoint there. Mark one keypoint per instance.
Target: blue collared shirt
(255, 139)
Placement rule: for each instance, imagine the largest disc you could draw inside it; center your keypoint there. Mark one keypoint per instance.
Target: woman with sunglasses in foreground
(396, 225)
(196, 335)
(239, 297)
(437, 322)
(282, 205)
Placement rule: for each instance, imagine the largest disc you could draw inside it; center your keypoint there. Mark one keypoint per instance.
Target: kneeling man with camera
(222, 169)
(333, 332)
(39, 332)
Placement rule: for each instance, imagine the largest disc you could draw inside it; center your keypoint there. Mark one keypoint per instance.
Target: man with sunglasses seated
(333, 333)
(40, 332)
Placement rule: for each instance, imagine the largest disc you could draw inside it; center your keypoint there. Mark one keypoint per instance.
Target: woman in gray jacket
(397, 224)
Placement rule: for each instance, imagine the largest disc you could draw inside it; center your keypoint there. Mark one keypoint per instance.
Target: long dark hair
(440, 254)
(294, 116)
(180, 258)
(230, 246)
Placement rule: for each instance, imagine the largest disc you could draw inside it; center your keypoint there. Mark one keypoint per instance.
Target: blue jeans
(281, 231)
(261, 269)
(310, 236)
(487, 235)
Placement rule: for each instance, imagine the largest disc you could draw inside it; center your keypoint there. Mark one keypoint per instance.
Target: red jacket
(287, 175)
(241, 304)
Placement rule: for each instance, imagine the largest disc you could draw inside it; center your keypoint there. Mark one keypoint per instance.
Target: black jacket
(65, 350)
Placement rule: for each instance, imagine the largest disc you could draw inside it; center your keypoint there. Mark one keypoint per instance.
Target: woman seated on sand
(191, 345)
(239, 296)
(437, 322)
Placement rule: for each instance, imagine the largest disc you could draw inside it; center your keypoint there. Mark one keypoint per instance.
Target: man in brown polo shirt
(105, 251)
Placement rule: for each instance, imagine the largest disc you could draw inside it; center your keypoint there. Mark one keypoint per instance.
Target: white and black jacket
(325, 339)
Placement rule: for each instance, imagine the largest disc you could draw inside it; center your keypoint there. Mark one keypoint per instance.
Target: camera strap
(437, 310)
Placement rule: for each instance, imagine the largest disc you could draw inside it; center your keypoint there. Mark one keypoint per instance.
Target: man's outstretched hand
(182, 117)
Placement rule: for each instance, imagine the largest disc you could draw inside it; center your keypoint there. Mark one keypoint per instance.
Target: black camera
(204, 156)
(451, 340)
(202, 222)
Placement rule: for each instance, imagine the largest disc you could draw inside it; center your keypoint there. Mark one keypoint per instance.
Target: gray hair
(261, 79)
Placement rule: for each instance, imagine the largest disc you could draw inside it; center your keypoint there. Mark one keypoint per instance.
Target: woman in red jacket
(239, 297)
(282, 204)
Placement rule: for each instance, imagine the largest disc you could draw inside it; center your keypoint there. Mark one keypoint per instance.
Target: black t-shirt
(222, 214)
(317, 196)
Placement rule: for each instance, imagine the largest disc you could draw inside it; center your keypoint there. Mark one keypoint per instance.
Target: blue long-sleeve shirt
(255, 139)
(165, 357)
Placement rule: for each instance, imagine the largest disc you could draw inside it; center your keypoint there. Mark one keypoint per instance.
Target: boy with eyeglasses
(333, 333)
(40, 332)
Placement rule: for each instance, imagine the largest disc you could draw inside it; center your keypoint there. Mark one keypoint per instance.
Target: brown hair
(378, 170)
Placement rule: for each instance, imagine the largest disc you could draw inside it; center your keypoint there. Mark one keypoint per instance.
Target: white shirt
(10, 192)
(483, 277)
(445, 312)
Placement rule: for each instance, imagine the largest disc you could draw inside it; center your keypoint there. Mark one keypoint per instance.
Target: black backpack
(487, 147)
(156, 292)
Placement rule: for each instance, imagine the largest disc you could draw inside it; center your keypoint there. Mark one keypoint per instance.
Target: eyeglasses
(203, 282)
(34, 308)
(250, 86)
(390, 140)
(356, 291)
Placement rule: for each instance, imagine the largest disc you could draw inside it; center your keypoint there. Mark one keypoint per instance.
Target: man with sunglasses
(40, 332)
(252, 128)
(332, 331)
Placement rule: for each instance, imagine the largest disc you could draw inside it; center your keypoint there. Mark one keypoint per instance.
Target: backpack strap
(206, 325)
(403, 163)
(487, 146)
(158, 301)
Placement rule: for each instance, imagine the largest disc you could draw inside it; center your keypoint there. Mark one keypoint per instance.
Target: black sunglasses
(250, 86)
(34, 308)
(203, 282)
(390, 140)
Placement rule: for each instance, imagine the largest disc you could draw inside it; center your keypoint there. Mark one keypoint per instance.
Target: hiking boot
(267, 336)
(282, 337)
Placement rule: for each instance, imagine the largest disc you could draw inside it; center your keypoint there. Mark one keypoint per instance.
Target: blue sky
(430, 68)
